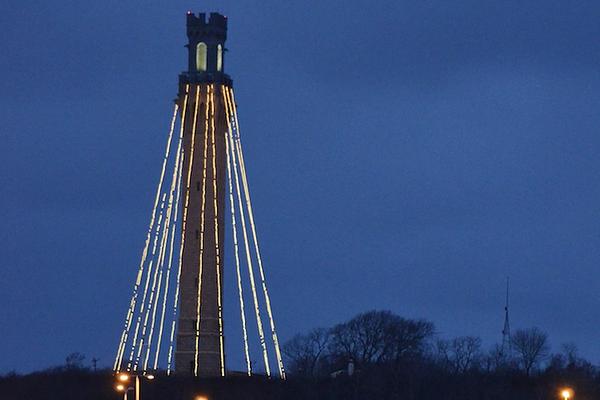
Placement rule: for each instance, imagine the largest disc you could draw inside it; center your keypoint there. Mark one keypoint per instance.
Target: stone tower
(200, 342)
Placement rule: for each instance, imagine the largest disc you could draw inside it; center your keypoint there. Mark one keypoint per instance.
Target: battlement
(216, 24)
(206, 48)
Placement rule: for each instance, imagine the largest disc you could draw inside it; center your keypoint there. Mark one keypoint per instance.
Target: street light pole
(126, 391)
(137, 387)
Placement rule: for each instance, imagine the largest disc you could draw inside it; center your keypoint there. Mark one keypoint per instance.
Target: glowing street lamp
(200, 397)
(124, 378)
(122, 388)
(566, 393)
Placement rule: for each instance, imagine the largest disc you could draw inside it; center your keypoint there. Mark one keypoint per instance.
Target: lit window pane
(201, 56)
(219, 58)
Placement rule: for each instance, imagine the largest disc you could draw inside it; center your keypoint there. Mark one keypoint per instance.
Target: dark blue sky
(402, 155)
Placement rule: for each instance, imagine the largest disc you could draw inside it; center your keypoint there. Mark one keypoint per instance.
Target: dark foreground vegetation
(376, 355)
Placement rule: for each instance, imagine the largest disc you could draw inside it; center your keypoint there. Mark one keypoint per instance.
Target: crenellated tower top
(206, 49)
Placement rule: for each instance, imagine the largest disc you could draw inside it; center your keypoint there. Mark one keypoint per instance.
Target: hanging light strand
(216, 226)
(168, 231)
(183, 228)
(147, 329)
(234, 233)
(259, 323)
(188, 180)
(132, 303)
(202, 220)
(143, 304)
(171, 251)
(256, 247)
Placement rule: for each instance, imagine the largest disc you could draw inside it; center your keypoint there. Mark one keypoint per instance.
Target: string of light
(183, 228)
(256, 248)
(171, 251)
(216, 226)
(154, 293)
(132, 304)
(202, 220)
(259, 323)
(228, 134)
(146, 284)
(146, 317)
(168, 231)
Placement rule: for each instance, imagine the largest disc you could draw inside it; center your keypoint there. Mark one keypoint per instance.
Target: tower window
(219, 58)
(201, 56)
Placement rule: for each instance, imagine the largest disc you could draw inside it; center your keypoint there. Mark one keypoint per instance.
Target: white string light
(154, 293)
(183, 228)
(167, 230)
(146, 285)
(164, 228)
(202, 215)
(254, 235)
(171, 251)
(234, 232)
(259, 324)
(188, 182)
(216, 226)
(132, 304)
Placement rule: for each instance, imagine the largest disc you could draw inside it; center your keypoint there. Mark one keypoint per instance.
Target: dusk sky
(401, 155)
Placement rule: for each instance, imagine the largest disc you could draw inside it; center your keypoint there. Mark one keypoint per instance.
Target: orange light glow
(566, 393)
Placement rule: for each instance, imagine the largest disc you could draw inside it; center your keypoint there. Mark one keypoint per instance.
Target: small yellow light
(120, 387)
(566, 393)
(149, 376)
(123, 377)
(201, 398)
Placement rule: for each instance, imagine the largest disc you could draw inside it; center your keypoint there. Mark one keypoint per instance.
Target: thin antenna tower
(506, 346)
(95, 363)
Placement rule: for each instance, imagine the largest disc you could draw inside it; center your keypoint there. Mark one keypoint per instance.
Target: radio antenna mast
(506, 345)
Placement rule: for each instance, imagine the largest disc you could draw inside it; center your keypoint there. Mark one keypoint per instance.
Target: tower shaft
(199, 348)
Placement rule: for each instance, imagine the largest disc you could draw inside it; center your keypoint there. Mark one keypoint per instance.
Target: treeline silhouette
(375, 355)
(380, 355)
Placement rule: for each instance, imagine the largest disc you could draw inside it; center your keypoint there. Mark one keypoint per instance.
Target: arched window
(219, 58)
(201, 56)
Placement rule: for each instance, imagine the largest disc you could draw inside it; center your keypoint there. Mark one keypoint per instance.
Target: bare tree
(407, 338)
(74, 360)
(362, 338)
(304, 352)
(459, 354)
(570, 352)
(379, 336)
(494, 359)
(530, 347)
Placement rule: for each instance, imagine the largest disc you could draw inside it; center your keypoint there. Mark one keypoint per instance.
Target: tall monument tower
(176, 309)
(200, 341)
